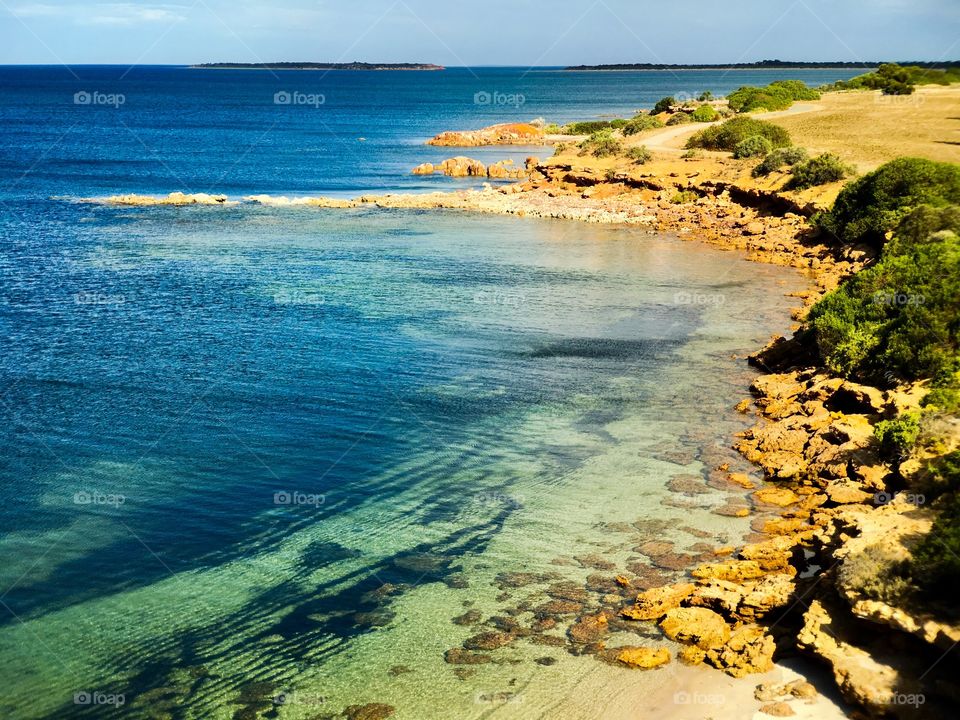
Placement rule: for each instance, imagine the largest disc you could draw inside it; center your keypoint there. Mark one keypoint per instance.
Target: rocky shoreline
(829, 500)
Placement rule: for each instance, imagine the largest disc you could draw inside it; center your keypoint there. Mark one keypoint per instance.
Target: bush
(602, 144)
(618, 123)
(901, 315)
(705, 113)
(639, 154)
(705, 96)
(821, 170)
(898, 436)
(877, 573)
(680, 118)
(935, 564)
(890, 79)
(778, 95)
(753, 146)
(731, 133)
(691, 154)
(683, 197)
(875, 204)
(588, 127)
(553, 129)
(778, 158)
(641, 123)
(663, 105)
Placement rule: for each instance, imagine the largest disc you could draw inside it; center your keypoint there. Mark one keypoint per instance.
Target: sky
(491, 32)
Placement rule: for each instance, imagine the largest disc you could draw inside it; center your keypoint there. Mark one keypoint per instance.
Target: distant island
(318, 66)
(762, 65)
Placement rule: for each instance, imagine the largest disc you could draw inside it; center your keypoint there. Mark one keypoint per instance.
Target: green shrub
(821, 170)
(618, 123)
(890, 79)
(639, 154)
(588, 127)
(898, 436)
(877, 574)
(935, 565)
(680, 118)
(705, 113)
(641, 123)
(778, 158)
(753, 146)
(691, 154)
(875, 204)
(560, 148)
(601, 144)
(553, 129)
(731, 133)
(778, 95)
(683, 197)
(705, 96)
(900, 315)
(663, 105)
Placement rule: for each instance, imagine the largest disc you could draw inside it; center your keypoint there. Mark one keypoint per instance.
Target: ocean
(277, 462)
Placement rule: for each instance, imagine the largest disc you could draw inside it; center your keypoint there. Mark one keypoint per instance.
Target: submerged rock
(371, 711)
(654, 604)
(643, 658)
(489, 641)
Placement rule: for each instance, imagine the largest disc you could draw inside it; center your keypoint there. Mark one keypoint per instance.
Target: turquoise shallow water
(444, 397)
(251, 452)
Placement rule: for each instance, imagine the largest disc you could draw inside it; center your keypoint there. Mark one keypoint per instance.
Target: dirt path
(672, 139)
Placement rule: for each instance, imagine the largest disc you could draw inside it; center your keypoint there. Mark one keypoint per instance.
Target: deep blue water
(448, 396)
(220, 130)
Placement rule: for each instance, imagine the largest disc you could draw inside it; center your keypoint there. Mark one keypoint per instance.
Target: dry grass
(868, 129)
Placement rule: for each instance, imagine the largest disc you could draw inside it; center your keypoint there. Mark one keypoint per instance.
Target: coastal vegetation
(602, 143)
(639, 154)
(777, 159)
(866, 210)
(753, 146)
(778, 95)
(640, 123)
(893, 79)
(821, 170)
(901, 315)
(728, 135)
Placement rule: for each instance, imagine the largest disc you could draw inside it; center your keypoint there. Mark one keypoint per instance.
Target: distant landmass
(764, 64)
(319, 66)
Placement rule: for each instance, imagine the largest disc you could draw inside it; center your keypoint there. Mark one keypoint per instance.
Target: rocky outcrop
(174, 198)
(462, 166)
(696, 626)
(502, 134)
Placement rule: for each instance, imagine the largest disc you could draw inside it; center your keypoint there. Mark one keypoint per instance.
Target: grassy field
(868, 129)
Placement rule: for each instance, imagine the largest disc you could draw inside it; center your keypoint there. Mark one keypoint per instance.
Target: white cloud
(104, 13)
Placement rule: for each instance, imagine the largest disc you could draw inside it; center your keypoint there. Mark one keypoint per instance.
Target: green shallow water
(471, 396)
